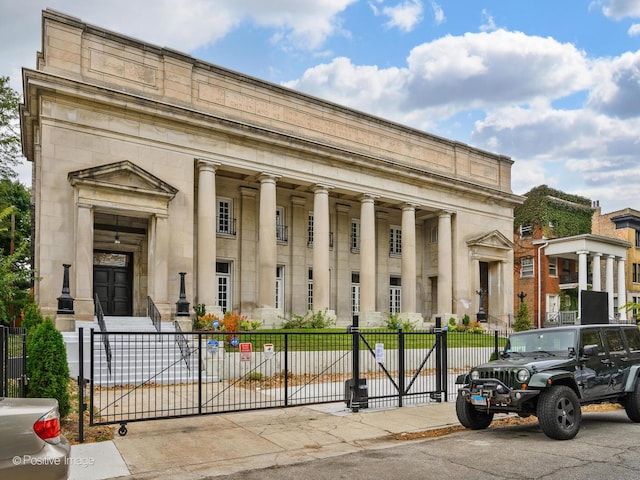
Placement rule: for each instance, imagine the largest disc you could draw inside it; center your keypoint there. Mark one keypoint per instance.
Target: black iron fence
(174, 374)
(13, 360)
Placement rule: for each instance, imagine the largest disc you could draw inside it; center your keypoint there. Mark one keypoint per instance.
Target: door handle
(606, 362)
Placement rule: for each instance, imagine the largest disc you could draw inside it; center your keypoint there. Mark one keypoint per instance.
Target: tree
(523, 321)
(15, 275)
(9, 129)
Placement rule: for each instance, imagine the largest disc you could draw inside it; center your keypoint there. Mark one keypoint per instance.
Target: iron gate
(13, 361)
(157, 375)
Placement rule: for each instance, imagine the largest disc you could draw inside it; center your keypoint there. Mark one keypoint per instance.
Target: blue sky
(554, 84)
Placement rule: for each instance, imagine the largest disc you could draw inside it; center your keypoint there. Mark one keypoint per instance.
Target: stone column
(622, 289)
(321, 248)
(83, 263)
(609, 283)
(596, 281)
(445, 267)
(582, 276)
(367, 259)
(207, 208)
(267, 253)
(159, 266)
(408, 277)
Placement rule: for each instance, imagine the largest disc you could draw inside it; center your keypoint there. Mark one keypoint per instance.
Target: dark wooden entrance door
(112, 284)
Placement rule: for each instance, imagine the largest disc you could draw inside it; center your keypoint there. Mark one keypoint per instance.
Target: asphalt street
(606, 448)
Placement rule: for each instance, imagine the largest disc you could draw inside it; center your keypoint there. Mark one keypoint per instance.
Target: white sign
(212, 347)
(268, 348)
(380, 352)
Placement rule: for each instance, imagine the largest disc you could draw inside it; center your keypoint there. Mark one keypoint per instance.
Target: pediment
(123, 175)
(493, 239)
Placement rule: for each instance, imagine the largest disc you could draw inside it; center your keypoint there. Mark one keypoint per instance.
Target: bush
(394, 322)
(522, 321)
(47, 367)
(311, 319)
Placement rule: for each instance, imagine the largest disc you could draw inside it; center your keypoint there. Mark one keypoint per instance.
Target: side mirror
(590, 350)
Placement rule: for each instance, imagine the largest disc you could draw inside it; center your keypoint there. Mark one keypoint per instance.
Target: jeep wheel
(559, 413)
(470, 417)
(632, 403)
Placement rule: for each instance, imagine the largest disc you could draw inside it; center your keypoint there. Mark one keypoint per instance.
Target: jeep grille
(508, 377)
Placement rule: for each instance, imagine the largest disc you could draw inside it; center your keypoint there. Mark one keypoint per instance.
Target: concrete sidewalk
(214, 445)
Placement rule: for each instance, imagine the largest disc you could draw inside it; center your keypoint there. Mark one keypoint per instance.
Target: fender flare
(632, 378)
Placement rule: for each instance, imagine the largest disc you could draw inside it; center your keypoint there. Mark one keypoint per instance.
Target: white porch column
(445, 267)
(367, 255)
(622, 289)
(82, 269)
(321, 248)
(159, 265)
(267, 242)
(595, 272)
(582, 277)
(207, 291)
(609, 282)
(408, 276)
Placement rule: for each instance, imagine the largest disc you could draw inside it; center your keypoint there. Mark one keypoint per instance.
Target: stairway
(139, 355)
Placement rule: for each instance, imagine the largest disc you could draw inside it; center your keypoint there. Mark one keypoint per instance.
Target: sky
(553, 84)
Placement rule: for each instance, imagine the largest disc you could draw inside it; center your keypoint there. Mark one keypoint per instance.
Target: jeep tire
(632, 403)
(470, 417)
(559, 412)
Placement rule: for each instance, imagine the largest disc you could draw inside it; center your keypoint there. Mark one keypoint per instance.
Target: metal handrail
(103, 329)
(185, 351)
(154, 314)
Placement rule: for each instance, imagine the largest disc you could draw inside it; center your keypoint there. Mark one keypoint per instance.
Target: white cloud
(634, 30)
(619, 9)
(438, 13)
(488, 23)
(617, 92)
(404, 16)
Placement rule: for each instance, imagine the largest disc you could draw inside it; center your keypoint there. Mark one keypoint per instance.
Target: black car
(550, 373)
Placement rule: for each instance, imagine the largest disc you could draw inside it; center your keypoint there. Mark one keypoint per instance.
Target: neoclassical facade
(149, 163)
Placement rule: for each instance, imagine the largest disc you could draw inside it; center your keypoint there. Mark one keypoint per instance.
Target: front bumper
(493, 395)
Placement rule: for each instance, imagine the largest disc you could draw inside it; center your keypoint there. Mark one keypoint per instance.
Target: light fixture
(117, 239)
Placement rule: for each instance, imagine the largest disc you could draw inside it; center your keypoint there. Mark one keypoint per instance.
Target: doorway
(112, 282)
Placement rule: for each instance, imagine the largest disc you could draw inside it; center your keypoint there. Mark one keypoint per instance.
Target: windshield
(541, 341)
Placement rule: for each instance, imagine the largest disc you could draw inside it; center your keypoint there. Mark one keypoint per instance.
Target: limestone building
(148, 162)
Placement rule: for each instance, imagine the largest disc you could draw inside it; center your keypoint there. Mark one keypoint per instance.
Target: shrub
(47, 367)
(522, 321)
(394, 322)
(312, 319)
(466, 320)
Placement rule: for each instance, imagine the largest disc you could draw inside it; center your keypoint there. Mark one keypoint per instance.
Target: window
(633, 338)
(280, 287)
(225, 223)
(355, 235)
(355, 294)
(553, 266)
(395, 240)
(636, 273)
(433, 234)
(613, 337)
(281, 228)
(310, 290)
(526, 230)
(637, 238)
(223, 280)
(395, 295)
(591, 337)
(310, 230)
(527, 267)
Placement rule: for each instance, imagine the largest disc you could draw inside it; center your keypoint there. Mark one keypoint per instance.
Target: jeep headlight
(475, 375)
(523, 375)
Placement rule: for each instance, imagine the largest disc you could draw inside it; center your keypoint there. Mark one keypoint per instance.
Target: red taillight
(47, 427)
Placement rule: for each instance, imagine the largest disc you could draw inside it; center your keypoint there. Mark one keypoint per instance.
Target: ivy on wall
(559, 214)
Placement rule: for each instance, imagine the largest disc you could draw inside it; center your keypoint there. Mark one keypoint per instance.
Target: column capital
(582, 252)
(445, 213)
(409, 206)
(268, 177)
(368, 198)
(322, 188)
(206, 165)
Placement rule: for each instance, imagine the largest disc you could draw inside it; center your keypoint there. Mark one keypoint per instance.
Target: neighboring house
(148, 162)
(556, 257)
(624, 225)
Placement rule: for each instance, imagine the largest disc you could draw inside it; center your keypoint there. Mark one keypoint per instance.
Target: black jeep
(550, 373)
